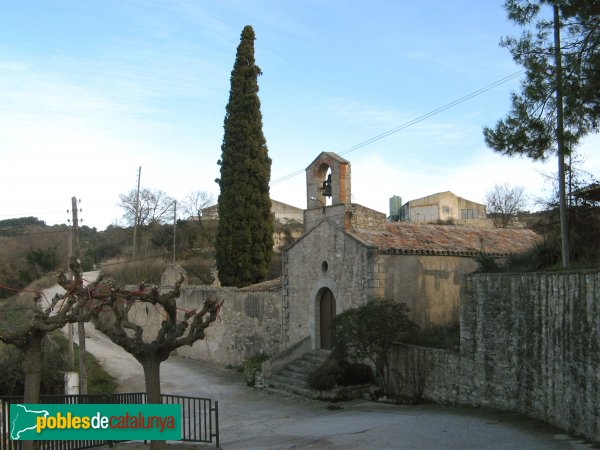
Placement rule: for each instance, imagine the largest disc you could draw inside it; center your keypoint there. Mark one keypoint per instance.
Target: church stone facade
(349, 254)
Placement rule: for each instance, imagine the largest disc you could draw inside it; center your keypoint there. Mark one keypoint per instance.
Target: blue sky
(91, 90)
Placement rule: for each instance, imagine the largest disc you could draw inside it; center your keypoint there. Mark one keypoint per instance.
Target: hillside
(30, 249)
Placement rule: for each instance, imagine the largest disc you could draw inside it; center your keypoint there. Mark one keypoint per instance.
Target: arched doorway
(326, 316)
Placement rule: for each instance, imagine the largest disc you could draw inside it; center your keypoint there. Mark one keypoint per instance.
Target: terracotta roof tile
(411, 238)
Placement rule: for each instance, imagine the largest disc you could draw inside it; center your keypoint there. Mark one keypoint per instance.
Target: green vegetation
(334, 372)
(369, 332)
(30, 250)
(559, 103)
(99, 380)
(437, 336)
(252, 366)
(11, 227)
(530, 128)
(135, 272)
(584, 226)
(54, 364)
(244, 240)
(543, 256)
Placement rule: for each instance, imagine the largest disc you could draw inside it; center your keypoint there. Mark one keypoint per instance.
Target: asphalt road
(256, 419)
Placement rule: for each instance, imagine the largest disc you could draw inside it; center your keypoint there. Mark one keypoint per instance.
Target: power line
(415, 120)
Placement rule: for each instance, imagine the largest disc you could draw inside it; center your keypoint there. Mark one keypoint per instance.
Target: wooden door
(327, 314)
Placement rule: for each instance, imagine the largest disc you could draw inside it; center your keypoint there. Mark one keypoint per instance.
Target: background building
(444, 207)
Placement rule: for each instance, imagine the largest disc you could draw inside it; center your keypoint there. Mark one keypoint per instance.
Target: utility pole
(70, 326)
(174, 229)
(137, 212)
(80, 325)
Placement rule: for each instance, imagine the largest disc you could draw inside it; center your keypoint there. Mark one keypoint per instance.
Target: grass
(148, 271)
(99, 381)
(45, 282)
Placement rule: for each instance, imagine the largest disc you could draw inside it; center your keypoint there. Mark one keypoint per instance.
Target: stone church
(350, 254)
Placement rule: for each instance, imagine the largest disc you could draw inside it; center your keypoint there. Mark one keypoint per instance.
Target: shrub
(341, 373)
(369, 332)
(324, 378)
(148, 271)
(542, 256)
(198, 270)
(486, 263)
(11, 371)
(54, 364)
(352, 374)
(252, 366)
(438, 336)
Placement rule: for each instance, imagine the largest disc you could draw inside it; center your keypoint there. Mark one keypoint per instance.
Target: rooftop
(411, 238)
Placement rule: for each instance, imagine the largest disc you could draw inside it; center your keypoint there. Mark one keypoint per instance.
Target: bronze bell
(326, 190)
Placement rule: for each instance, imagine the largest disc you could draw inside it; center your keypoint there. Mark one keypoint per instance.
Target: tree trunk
(32, 366)
(560, 141)
(151, 365)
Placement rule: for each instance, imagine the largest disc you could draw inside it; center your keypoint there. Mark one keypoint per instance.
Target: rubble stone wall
(529, 343)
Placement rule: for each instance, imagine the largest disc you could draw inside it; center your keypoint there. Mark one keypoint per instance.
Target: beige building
(282, 212)
(350, 254)
(444, 207)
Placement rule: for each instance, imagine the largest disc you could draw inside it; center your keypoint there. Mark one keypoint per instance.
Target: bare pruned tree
(178, 328)
(195, 202)
(28, 326)
(155, 206)
(84, 303)
(504, 202)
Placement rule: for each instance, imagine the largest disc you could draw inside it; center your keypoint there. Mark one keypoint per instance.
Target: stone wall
(367, 218)
(529, 343)
(426, 373)
(317, 213)
(249, 324)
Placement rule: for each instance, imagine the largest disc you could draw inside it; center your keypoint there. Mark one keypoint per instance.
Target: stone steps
(294, 377)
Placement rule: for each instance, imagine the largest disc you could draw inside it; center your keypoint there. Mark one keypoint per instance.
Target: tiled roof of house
(411, 238)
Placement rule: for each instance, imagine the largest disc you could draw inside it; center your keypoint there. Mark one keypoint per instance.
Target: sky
(92, 90)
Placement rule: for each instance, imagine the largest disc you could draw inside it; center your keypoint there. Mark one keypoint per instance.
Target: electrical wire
(99, 309)
(414, 121)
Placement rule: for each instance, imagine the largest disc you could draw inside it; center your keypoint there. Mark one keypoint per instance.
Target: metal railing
(199, 418)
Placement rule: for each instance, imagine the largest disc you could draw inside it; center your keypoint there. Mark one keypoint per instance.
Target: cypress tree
(244, 240)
